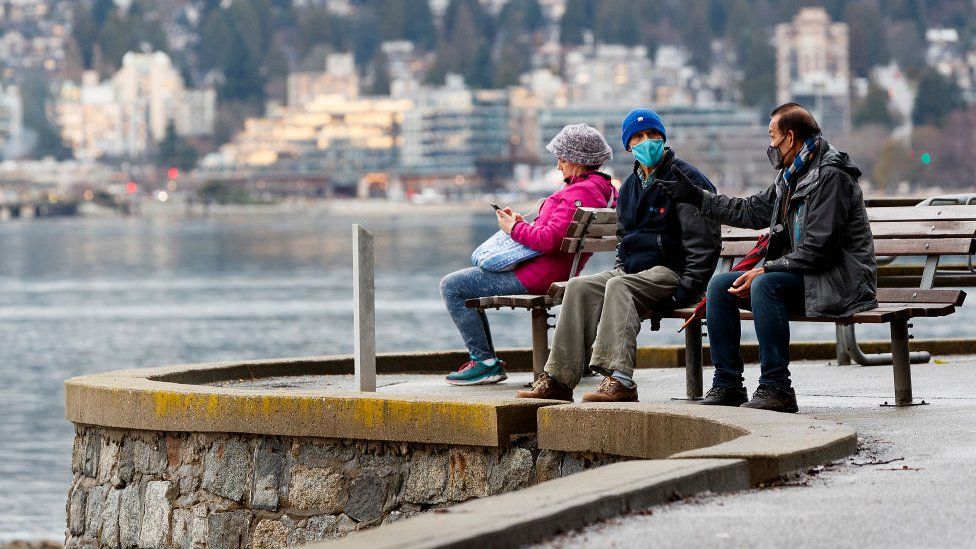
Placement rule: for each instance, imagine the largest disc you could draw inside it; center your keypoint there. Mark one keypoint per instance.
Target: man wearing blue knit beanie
(666, 254)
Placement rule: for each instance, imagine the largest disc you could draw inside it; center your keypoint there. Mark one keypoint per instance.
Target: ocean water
(87, 295)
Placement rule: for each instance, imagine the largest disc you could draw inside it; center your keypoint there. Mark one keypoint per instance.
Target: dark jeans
(473, 323)
(772, 297)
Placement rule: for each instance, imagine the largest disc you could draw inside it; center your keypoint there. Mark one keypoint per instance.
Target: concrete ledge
(131, 400)
(771, 443)
(518, 360)
(518, 518)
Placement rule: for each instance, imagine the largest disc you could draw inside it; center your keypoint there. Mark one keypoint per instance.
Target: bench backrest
(922, 231)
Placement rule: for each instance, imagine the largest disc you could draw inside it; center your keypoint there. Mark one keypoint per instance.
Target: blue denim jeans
(772, 297)
(472, 323)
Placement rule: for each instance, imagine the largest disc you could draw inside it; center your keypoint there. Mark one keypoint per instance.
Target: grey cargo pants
(603, 312)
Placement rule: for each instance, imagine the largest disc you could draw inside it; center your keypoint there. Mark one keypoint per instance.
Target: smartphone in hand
(495, 206)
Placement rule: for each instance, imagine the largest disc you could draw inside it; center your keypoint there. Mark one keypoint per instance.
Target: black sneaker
(771, 398)
(725, 396)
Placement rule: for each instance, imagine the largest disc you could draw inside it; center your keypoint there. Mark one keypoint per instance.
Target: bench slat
(923, 213)
(599, 215)
(516, 301)
(880, 315)
(576, 230)
(590, 245)
(909, 295)
(883, 229)
(885, 246)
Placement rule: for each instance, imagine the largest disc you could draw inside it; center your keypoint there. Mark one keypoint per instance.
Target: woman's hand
(507, 219)
(740, 288)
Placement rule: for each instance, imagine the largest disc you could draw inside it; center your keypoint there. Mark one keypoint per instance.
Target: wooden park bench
(931, 233)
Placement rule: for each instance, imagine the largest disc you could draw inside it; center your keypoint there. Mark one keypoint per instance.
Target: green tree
(873, 109)
(937, 97)
(35, 90)
(577, 19)
(174, 151)
(465, 47)
(380, 72)
(522, 19)
(868, 47)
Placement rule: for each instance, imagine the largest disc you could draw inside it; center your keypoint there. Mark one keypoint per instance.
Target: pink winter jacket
(592, 190)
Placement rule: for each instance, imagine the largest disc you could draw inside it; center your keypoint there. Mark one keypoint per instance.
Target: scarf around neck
(802, 158)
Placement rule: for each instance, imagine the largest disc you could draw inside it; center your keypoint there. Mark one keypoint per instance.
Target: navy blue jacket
(653, 230)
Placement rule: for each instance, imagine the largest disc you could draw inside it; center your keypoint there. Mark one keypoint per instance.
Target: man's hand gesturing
(682, 189)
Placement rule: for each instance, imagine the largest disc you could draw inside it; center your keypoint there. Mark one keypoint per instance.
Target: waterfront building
(812, 67)
(339, 78)
(455, 135)
(125, 115)
(340, 138)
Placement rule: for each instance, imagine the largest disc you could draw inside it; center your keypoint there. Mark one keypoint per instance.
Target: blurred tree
(36, 93)
(894, 166)
(906, 46)
(758, 64)
(465, 45)
(950, 162)
(578, 18)
(873, 109)
(174, 151)
(517, 37)
(868, 47)
(936, 98)
(380, 75)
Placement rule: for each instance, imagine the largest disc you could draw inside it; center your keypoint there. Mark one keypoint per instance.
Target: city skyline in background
(258, 100)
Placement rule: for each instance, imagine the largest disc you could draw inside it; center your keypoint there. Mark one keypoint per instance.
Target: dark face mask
(775, 157)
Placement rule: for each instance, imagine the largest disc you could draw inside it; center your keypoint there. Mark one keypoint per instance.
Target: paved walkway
(925, 496)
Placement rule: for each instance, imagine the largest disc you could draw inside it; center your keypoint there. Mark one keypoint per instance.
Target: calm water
(80, 296)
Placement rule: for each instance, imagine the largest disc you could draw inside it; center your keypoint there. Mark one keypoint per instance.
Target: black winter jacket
(654, 230)
(825, 234)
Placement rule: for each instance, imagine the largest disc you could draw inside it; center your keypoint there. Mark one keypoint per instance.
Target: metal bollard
(364, 314)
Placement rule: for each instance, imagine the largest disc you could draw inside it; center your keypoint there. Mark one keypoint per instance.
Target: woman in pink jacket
(580, 151)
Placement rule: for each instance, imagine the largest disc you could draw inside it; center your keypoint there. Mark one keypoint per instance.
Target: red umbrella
(750, 260)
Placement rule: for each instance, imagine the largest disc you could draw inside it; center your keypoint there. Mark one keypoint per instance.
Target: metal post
(364, 315)
(693, 361)
(540, 341)
(902, 366)
(843, 357)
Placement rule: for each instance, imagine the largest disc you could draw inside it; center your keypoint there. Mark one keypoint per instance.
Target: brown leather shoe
(611, 391)
(547, 387)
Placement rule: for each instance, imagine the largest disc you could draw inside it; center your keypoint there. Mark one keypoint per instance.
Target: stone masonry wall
(193, 490)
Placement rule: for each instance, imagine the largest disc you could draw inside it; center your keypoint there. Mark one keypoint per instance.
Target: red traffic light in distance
(131, 187)
(172, 172)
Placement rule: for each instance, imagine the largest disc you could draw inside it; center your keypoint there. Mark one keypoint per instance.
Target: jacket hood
(600, 180)
(839, 159)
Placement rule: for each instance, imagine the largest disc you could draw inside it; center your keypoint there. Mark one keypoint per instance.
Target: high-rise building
(812, 67)
(129, 112)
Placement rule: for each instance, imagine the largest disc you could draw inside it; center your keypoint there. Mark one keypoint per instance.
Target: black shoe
(771, 398)
(725, 396)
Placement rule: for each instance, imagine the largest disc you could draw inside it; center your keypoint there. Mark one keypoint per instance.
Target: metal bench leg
(693, 361)
(877, 359)
(540, 341)
(902, 367)
(843, 357)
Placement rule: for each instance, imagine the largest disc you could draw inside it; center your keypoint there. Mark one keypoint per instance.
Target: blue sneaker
(478, 373)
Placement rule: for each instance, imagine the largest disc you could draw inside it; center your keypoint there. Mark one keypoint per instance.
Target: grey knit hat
(580, 144)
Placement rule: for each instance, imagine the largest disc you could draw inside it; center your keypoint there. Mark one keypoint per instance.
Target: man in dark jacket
(820, 261)
(666, 253)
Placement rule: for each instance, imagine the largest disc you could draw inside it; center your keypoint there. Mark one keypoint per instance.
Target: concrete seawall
(183, 456)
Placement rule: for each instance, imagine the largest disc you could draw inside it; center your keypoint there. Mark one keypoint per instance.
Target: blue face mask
(648, 152)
